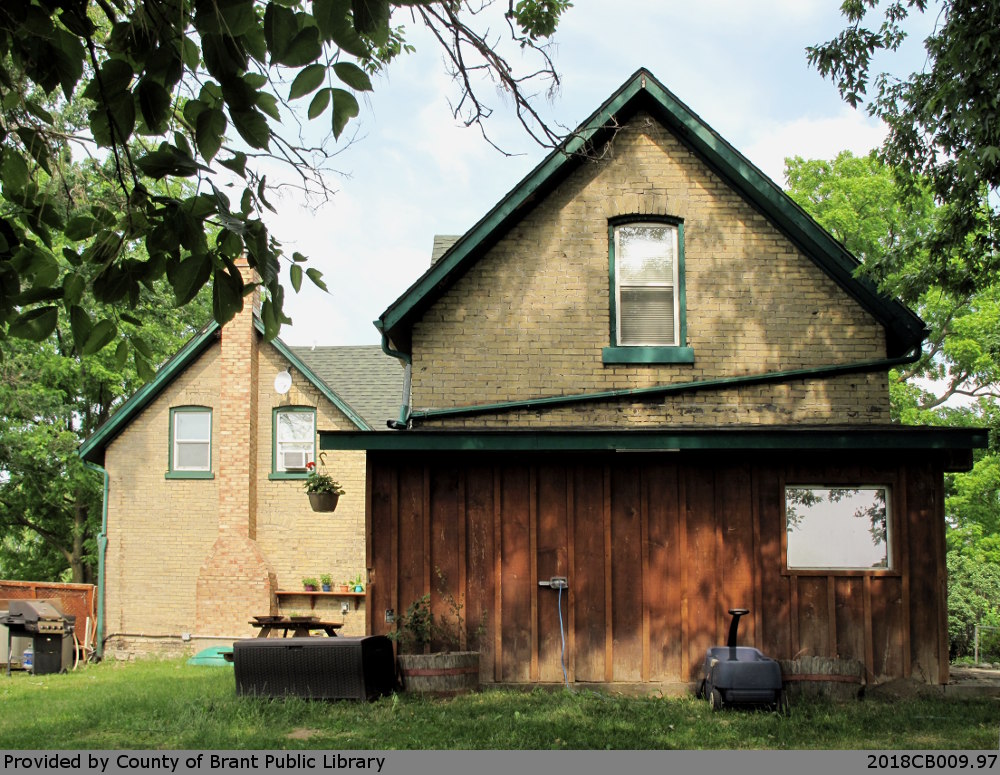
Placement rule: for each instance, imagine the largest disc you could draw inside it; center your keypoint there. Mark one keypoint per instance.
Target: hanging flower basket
(324, 501)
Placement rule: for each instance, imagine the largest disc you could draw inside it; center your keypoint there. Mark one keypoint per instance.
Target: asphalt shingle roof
(370, 381)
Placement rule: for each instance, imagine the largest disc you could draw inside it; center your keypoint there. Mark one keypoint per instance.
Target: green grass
(170, 705)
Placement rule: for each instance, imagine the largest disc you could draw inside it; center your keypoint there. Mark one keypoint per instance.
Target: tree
(199, 90)
(943, 125)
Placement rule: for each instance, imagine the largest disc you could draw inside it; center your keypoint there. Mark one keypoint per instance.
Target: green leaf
(298, 257)
(154, 105)
(280, 26)
(13, 171)
(370, 16)
(189, 277)
(334, 21)
(227, 295)
(269, 104)
(252, 127)
(237, 164)
(102, 335)
(304, 48)
(307, 81)
(142, 367)
(210, 130)
(319, 103)
(74, 286)
(296, 276)
(121, 354)
(345, 107)
(81, 326)
(142, 346)
(35, 325)
(317, 278)
(353, 76)
(190, 54)
(81, 227)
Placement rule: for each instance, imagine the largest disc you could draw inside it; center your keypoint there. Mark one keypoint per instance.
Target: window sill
(647, 355)
(189, 475)
(280, 476)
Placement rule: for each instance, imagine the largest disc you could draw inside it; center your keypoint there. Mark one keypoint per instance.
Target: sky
(414, 171)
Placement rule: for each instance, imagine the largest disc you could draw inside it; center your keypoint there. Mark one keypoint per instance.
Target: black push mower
(741, 675)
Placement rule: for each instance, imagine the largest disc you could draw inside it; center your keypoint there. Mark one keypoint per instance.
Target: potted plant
(325, 581)
(357, 584)
(323, 491)
(309, 584)
(447, 670)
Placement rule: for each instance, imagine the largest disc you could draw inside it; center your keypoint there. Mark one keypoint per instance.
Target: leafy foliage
(942, 122)
(199, 91)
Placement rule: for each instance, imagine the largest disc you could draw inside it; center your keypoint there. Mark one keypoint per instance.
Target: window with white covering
(190, 440)
(646, 266)
(294, 439)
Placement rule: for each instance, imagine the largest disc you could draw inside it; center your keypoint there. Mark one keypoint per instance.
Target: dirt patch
(302, 734)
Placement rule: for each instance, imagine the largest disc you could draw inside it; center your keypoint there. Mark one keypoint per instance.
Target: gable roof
(374, 385)
(642, 92)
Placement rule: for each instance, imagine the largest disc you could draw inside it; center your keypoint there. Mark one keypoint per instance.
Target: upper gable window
(647, 298)
(294, 440)
(190, 442)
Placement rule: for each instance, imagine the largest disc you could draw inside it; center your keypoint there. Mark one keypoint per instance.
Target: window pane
(646, 316)
(295, 426)
(645, 254)
(192, 457)
(845, 528)
(192, 426)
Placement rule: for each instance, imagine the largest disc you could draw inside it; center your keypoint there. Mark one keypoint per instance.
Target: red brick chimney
(236, 581)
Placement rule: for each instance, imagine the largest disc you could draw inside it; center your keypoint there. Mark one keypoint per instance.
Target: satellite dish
(282, 382)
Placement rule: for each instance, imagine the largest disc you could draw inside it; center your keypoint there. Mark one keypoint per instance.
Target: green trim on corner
(92, 449)
(275, 474)
(647, 355)
(284, 476)
(319, 384)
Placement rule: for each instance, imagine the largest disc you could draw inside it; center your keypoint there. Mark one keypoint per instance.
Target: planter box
(454, 672)
(323, 501)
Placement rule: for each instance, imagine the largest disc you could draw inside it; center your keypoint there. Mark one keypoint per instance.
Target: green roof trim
(320, 385)
(904, 330)
(820, 438)
(92, 450)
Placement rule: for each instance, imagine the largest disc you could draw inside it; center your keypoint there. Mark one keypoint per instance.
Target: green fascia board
(820, 438)
(318, 383)
(642, 91)
(92, 449)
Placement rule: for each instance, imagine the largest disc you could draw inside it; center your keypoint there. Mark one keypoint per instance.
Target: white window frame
(674, 284)
(283, 445)
(177, 442)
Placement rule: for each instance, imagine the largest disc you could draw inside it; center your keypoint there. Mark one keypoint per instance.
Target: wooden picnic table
(300, 627)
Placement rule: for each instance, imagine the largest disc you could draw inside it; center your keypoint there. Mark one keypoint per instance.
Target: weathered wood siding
(656, 548)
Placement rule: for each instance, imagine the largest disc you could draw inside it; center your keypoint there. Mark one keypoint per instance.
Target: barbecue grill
(50, 630)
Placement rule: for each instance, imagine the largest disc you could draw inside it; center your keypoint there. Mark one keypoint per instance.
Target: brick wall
(202, 556)
(530, 318)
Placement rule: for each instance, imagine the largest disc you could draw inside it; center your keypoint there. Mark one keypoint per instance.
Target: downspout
(770, 377)
(404, 408)
(102, 550)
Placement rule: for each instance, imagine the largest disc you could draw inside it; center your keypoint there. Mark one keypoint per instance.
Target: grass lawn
(170, 705)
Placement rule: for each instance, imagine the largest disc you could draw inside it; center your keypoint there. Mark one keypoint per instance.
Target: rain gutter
(404, 408)
(771, 377)
(102, 550)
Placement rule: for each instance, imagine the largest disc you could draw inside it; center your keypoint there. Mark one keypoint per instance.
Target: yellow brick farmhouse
(648, 372)
(206, 520)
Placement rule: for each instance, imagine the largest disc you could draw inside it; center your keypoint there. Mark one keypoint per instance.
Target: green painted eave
(92, 450)
(904, 330)
(318, 383)
(884, 438)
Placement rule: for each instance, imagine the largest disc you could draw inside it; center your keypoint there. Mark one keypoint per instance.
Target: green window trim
(190, 473)
(647, 354)
(278, 474)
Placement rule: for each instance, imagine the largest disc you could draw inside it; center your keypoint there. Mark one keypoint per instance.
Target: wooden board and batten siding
(656, 549)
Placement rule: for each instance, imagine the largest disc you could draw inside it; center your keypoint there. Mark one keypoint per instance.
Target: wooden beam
(533, 565)
(609, 631)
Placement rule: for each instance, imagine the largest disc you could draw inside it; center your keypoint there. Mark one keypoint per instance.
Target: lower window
(837, 528)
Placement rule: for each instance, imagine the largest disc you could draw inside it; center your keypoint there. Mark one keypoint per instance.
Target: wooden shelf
(313, 595)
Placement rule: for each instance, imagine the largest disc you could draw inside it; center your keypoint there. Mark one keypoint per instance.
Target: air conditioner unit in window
(294, 460)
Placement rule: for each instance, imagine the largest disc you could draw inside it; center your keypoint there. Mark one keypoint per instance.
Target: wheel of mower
(700, 694)
(715, 699)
